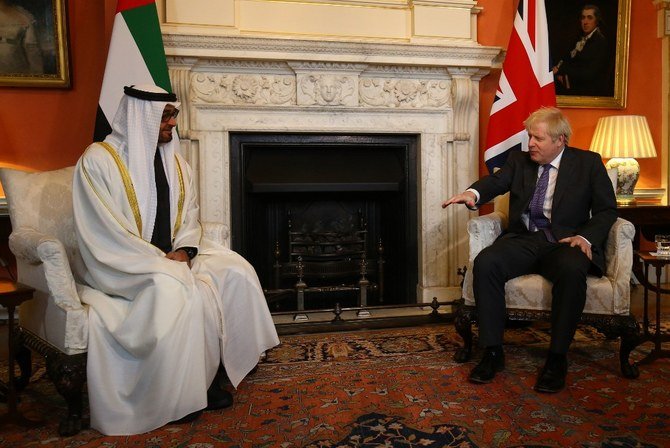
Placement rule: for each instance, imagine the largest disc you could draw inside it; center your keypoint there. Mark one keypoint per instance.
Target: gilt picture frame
(34, 44)
(593, 74)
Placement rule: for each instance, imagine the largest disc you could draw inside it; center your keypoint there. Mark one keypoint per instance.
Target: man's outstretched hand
(467, 197)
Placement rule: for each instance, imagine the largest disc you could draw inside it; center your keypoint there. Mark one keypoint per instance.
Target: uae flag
(526, 84)
(136, 56)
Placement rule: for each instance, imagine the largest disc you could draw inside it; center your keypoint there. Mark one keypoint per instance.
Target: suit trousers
(513, 255)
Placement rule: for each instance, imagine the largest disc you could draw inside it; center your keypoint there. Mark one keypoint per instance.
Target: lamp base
(625, 200)
(628, 172)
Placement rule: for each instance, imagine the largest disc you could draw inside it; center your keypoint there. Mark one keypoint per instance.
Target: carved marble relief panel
(405, 93)
(311, 87)
(243, 89)
(325, 89)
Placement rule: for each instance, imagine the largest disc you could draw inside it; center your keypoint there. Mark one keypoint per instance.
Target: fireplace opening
(327, 211)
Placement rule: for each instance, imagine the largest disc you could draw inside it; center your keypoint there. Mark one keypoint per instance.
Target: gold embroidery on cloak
(130, 189)
(101, 199)
(182, 194)
(127, 184)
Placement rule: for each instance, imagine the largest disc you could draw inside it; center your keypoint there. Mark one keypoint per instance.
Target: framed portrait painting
(588, 42)
(33, 44)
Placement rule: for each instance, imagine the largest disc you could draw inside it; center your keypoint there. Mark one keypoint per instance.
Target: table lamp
(622, 139)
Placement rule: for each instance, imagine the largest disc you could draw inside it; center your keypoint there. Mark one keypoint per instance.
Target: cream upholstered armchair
(55, 323)
(529, 297)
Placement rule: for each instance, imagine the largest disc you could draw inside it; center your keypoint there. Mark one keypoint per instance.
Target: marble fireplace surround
(241, 84)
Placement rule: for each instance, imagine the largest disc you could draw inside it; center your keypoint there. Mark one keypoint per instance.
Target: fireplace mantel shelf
(447, 53)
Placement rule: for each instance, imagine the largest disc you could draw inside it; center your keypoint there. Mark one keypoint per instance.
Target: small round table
(12, 295)
(657, 338)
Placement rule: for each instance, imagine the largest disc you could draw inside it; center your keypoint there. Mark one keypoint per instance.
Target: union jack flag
(526, 83)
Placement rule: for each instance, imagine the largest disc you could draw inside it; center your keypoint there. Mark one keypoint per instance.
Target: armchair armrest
(32, 247)
(23, 243)
(619, 260)
(214, 231)
(483, 231)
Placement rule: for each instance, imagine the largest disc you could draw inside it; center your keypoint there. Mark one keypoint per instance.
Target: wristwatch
(190, 251)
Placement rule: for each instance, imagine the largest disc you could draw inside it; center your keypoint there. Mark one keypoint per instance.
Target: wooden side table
(649, 220)
(657, 352)
(12, 295)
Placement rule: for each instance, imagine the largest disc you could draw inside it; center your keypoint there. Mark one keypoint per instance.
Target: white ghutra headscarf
(134, 136)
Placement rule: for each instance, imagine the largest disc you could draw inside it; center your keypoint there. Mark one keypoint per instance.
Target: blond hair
(556, 122)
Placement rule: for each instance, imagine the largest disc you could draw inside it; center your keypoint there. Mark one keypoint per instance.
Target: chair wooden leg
(630, 338)
(23, 359)
(626, 328)
(68, 374)
(463, 323)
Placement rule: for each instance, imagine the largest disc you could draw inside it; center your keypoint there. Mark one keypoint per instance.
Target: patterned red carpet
(400, 388)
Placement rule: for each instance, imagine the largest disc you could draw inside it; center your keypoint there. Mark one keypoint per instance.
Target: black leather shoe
(218, 398)
(188, 418)
(492, 362)
(552, 376)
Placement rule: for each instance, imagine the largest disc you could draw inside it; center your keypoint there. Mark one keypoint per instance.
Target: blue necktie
(537, 220)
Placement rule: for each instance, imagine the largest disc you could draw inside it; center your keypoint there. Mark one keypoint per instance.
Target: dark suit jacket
(584, 202)
(588, 70)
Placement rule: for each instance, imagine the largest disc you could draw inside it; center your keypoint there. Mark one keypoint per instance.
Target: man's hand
(467, 197)
(179, 255)
(580, 242)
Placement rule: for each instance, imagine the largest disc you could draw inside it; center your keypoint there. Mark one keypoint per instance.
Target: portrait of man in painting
(27, 38)
(583, 45)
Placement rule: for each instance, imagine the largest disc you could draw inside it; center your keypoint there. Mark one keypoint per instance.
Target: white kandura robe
(158, 329)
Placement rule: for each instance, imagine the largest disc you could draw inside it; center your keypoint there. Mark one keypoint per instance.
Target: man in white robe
(169, 306)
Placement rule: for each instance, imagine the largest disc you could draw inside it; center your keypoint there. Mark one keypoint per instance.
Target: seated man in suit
(562, 206)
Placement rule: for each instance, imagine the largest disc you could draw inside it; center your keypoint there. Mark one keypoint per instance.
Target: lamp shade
(623, 136)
